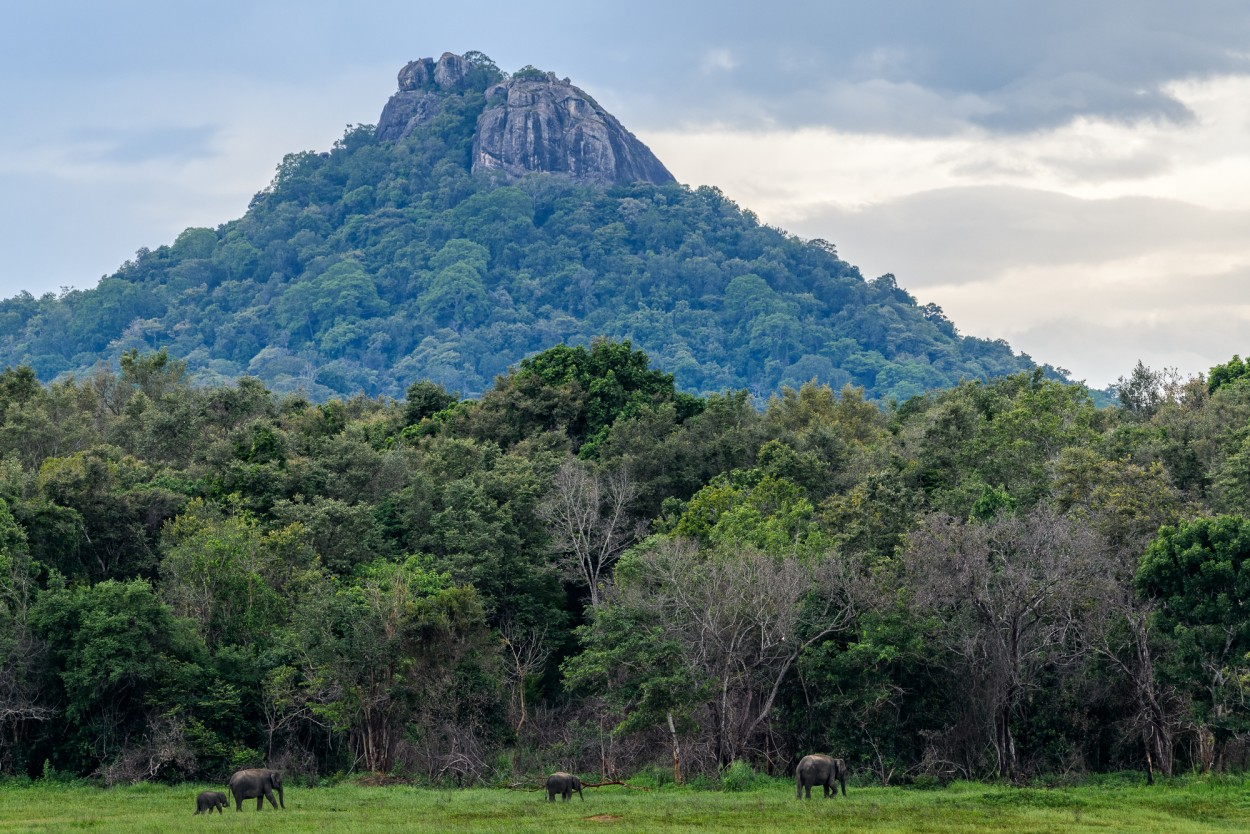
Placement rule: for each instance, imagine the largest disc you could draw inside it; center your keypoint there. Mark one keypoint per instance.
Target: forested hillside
(587, 569)
(384, 261)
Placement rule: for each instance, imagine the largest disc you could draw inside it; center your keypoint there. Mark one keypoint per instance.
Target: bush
(738, 777)
(653, 776)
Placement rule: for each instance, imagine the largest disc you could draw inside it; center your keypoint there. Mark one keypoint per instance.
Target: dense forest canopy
(379, 263)
(587, 569)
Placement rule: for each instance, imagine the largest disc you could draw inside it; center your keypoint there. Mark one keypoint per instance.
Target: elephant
(564, 784)
(208, 800)
(256, 782)
(819, 770)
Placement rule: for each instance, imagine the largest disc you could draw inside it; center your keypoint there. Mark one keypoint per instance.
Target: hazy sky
(1072, 176)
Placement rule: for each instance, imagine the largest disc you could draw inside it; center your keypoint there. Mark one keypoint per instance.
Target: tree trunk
(1160, 734)
(672, 729)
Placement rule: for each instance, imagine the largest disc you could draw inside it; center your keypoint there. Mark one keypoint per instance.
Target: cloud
(718, 60)
(1070, 243)
(1090, 285)
(1006, 68)
(110, 175)
(133, 146)
(954, 236)
(1099, 326)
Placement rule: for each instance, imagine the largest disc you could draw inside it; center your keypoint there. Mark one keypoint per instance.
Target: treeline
(376, 263)
(585, 568)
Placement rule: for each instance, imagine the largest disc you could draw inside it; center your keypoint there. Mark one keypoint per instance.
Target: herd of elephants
(261, 784)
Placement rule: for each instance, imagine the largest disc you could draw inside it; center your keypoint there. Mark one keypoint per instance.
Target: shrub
(738, 777)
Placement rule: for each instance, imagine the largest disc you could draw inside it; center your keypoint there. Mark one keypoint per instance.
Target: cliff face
(533, 122)
(550, 125)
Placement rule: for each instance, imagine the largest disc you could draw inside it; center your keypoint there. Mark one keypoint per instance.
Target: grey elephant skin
(819, 770)
(208, 800)
(564, 784)
(256, 783)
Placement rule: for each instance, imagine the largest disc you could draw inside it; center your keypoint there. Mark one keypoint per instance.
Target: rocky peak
(423, 84)
(532, 122)
(449, 74)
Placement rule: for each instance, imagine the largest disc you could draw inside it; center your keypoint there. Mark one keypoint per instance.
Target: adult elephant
(564, 784)
(819, 770)
(258, 783)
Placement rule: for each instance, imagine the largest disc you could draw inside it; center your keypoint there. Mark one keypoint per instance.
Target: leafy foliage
(194, 579)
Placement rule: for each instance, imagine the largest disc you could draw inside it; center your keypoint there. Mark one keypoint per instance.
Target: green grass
(1177, 807)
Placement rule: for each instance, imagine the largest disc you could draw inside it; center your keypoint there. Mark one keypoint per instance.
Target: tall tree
(383, 649)
(1199, 572)
(1009, 594)
(733, 621)
(588, 515)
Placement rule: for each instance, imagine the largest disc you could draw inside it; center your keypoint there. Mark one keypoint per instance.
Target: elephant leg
(269, 795)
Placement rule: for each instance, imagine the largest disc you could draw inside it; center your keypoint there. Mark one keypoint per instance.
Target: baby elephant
(208, 800)
(564, 784)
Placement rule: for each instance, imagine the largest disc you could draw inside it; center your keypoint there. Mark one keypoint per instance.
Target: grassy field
(1180, 806)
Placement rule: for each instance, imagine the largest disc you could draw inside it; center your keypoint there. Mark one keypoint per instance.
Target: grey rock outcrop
(532, 123)
(422, 86)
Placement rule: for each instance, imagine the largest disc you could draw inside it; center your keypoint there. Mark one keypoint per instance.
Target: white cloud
(137, 159)
(1088, 246)
(718, 60)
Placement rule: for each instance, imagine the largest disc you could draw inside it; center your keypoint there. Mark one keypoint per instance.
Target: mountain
(486, 217)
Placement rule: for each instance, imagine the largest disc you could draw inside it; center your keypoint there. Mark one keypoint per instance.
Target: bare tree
(742, 618)
(525, 653)
(1009, 595)
(21, 655)
(588, 516)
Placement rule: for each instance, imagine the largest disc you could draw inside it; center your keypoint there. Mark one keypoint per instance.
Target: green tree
(1199, 572)
(118, 655)
(229, 577)
(1230, 372)
(384, 652)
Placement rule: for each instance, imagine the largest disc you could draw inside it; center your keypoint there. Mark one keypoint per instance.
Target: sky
(1071, 176)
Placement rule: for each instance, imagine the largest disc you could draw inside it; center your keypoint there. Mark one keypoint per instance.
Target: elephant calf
(208, 800)
(819, 770)
(564, 784)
